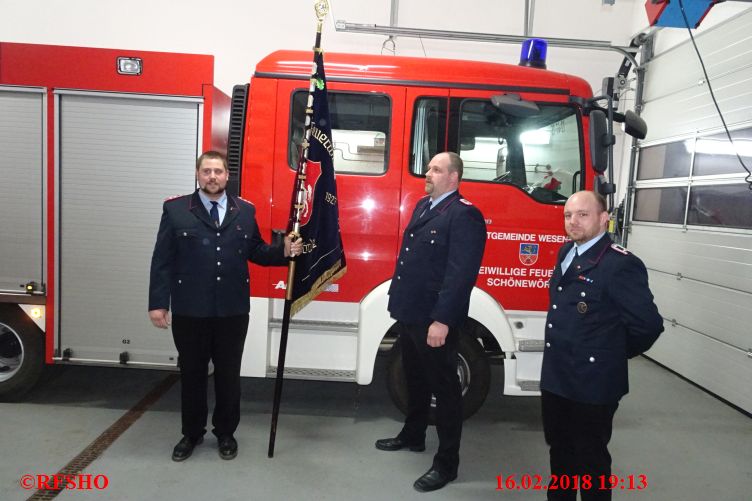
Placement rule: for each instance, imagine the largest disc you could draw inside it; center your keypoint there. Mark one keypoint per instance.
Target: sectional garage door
(693, 209)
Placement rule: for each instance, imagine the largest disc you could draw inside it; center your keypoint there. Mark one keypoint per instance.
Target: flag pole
(321, 8)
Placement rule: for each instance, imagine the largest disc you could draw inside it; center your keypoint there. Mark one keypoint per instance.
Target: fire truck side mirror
(634, 125)
(514, 105)
(599, 142)
(603, 187)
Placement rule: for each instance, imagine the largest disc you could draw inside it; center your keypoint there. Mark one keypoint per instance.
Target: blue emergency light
(533, 53)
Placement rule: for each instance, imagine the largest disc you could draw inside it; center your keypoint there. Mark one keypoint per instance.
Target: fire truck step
(313, 374)
(316, 325)
(529, 385)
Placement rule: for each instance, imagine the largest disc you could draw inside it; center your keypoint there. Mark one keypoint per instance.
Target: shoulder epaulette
(465, 201)
(621, 250)
(173, 197)
(243, 199)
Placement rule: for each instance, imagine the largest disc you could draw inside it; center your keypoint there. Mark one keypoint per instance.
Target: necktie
(214, 213)
(571, 255)
(428, 208)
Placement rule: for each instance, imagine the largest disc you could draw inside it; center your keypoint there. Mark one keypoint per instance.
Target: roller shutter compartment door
(120, 157)
(21, 196)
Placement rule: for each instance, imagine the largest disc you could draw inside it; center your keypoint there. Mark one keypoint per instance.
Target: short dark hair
(211, 155)
(455, 164)
(601, 201)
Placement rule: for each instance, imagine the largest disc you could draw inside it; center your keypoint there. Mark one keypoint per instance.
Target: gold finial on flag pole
(322, 9)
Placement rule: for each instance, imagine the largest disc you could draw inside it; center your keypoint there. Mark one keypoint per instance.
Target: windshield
(540, 154)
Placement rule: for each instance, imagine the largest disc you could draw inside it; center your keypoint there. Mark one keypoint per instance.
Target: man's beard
(219, 189)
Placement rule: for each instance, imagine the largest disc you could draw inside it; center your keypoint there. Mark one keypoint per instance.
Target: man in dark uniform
(199, 270)
(601, 314)
(429, 297)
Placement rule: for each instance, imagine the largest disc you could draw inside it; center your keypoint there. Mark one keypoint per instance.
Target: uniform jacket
(438, 263)
(199, 270)
(601, 313)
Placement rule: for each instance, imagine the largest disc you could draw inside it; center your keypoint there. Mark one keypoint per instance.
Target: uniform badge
(585, 279)
(582, 307)
(528, 253)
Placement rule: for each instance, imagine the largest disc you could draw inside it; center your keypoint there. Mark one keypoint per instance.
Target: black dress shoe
(228, 447)
(397, 443)
(433, 480)
(184, 449)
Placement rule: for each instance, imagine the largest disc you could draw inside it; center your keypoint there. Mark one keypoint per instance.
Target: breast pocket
(185, 234)
(433, 242)
(588, 304)
(191, 248)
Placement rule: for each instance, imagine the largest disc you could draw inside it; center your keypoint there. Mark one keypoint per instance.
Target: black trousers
(199, 340)
(432, 371)
(577, 434)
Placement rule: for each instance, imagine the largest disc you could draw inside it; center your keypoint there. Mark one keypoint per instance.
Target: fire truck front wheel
(473, 369)
(21, 353)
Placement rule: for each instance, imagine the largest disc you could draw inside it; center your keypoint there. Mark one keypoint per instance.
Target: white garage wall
(239, 33)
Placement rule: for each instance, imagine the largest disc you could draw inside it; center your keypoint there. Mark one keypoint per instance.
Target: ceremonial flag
(314, 214)
(315, 200)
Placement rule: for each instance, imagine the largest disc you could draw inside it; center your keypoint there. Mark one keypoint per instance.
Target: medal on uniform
(582, 306)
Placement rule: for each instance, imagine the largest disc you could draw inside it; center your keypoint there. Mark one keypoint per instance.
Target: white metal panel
(676, 96)
(717, 312)
(120, 157)
(21, 188)
(724, 259)
(717, 367)
(310, 349)
(692, 109)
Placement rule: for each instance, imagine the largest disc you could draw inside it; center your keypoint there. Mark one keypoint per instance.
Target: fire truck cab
(521, 134)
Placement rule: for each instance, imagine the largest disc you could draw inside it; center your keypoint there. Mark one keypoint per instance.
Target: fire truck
(528, 137)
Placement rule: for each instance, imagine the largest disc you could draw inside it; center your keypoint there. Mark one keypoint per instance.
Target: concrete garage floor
(688, 444)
